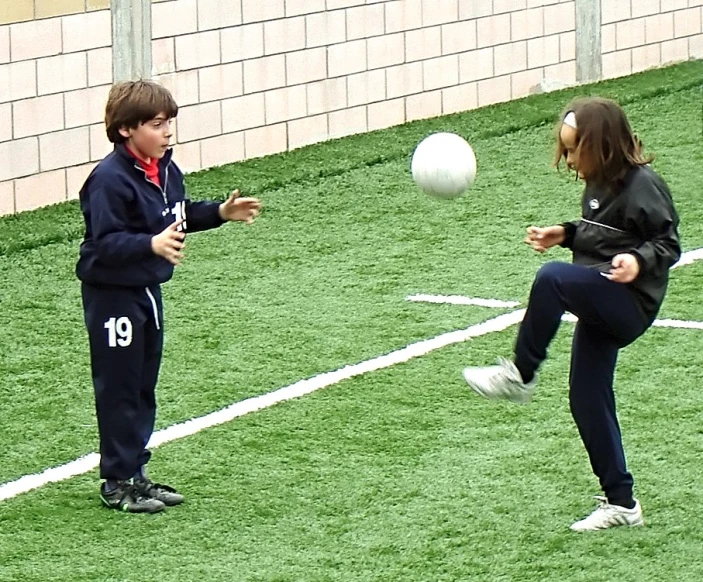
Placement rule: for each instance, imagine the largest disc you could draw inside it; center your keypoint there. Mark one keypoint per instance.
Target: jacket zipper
(162, 190)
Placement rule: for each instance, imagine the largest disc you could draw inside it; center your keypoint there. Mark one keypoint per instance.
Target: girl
(623, 247)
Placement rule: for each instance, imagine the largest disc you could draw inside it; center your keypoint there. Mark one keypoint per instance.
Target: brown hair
(605, 144)
(131, 103)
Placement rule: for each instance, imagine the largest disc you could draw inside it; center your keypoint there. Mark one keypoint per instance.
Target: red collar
(151, 167)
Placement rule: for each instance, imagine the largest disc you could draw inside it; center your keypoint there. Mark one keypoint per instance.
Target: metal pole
(589, 56)
(131, 39)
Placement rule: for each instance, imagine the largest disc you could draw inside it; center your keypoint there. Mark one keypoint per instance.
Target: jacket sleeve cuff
(640, 261)
(203, 216)
(569, 234)
(144, 245)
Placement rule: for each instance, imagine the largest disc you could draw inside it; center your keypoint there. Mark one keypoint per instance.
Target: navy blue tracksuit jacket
(123, 210)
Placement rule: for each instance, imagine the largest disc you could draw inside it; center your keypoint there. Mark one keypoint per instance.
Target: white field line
(177, 431)
(461, 300)
(89, 462)
(687, 258)
(677, 323)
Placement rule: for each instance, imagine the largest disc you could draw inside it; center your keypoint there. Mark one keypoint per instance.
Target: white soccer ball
(444, 165)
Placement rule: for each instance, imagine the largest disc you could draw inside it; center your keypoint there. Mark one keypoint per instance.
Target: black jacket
(639, 218)
(123, 210)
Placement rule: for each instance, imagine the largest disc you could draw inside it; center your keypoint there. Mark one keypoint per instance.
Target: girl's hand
(625, 268)
(545, 238)
(169, 243)
(240, 209)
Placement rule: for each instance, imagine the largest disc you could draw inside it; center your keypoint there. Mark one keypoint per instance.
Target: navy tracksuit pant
(125, 330)
(609, 319)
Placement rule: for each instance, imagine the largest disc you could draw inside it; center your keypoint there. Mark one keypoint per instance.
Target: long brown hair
(133, 102)
(605, 144)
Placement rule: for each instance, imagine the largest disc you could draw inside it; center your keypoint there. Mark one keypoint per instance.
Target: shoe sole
(475, 387)
(125, 508)
(639, 523)
(517, 399)
(170, 503)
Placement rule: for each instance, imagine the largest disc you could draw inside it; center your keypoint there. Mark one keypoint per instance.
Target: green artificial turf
(395, 475)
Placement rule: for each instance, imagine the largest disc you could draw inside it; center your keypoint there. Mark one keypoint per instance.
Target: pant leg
(592, 402)
(153, 350)
(560, 287)
(116, 321)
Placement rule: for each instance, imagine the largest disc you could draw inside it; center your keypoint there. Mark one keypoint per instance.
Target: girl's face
(569, 138)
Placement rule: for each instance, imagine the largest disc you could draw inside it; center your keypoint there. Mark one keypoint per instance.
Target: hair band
(570, 119)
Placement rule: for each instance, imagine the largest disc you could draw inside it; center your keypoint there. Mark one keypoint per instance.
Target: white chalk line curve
(89, 462)
(461, 300)
(687, 258)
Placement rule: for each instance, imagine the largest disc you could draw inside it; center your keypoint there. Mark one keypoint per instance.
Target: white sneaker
(606, 516)
(501, 381)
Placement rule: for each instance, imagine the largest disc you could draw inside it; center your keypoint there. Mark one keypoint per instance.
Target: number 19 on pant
(119, 332)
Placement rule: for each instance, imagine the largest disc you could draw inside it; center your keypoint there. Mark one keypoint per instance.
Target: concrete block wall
(255, 77)
(55, 72)
(641, 34)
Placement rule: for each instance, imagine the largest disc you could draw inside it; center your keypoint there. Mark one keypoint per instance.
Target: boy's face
(569, 138)
(150, 139)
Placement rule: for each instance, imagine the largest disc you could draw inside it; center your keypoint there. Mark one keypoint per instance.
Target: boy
(136, 219)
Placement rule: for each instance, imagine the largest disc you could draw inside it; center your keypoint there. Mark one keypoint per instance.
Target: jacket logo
(594, 204)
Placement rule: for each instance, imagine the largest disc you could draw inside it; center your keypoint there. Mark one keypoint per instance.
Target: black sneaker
(163, 493)
(127, 497)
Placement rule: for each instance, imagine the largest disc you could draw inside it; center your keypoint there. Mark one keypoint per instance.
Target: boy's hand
(241, 209)
(169, 243)
(542, 239)
(625, 268)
